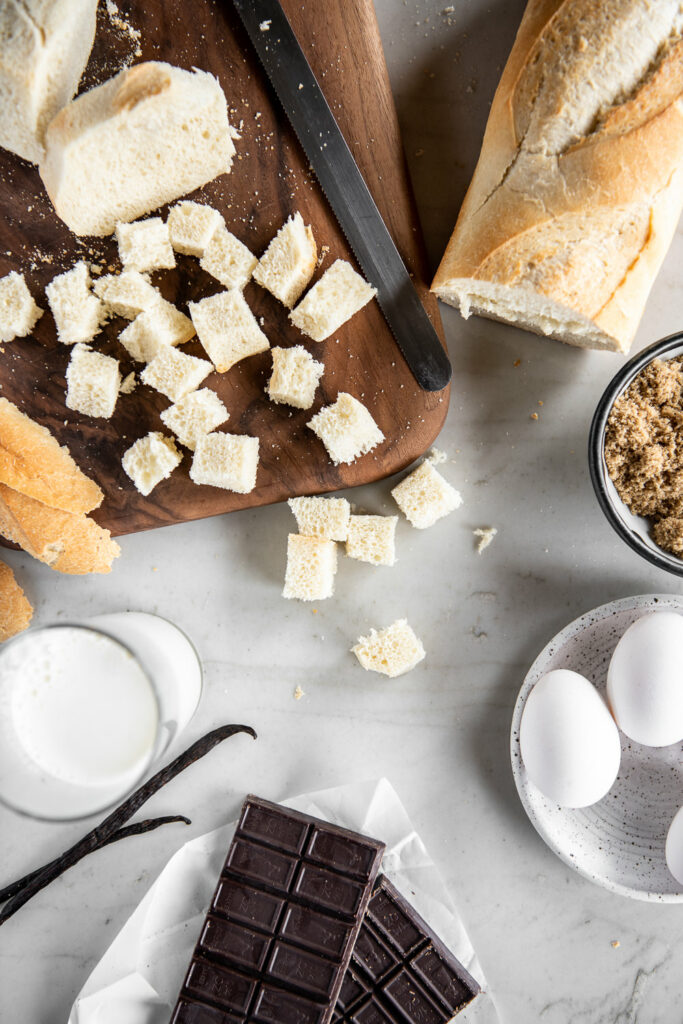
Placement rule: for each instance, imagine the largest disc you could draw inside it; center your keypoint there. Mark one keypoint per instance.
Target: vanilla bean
(114, 821)
(139, 828)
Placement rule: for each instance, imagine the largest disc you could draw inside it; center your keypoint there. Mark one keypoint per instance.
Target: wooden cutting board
(270, 179)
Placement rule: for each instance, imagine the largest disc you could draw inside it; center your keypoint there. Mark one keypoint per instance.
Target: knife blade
(344, 186)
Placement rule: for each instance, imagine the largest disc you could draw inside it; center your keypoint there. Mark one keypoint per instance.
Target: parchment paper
(138, 979)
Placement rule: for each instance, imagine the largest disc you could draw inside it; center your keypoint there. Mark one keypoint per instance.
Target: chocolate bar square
(400, 971)
(276, 942)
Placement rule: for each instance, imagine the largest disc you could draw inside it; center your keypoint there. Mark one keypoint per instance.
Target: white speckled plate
(617, 843)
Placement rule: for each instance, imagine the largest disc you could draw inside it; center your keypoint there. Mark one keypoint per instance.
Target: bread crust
(16, 610)
(66, 541)
(610, 198)
(32, 461)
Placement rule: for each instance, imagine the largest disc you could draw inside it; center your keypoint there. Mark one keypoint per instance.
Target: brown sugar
(644, 449)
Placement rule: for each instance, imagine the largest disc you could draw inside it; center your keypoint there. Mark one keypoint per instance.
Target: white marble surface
(544, 935)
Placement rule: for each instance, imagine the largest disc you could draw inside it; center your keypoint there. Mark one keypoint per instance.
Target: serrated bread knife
(343, 184)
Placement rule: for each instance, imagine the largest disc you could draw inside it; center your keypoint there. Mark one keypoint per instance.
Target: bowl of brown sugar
(635, 453)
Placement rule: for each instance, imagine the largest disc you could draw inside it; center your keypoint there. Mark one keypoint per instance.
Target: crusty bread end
(15, 608)
(66, 541)
(32, 461)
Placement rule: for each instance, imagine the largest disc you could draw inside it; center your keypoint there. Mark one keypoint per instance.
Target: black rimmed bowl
(634, 530)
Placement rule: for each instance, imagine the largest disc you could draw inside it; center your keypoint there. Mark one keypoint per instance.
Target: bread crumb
(125, 31)
(299, 693)
(517, 362)
(265, 25)
(485, 535)
(128, 384)
(436, 457)
(615, 943)
(534, 416)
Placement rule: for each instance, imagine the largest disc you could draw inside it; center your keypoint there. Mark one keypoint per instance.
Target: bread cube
(126, 294)
(288, 263)
(371, 539)
(145, 245)
(197, 414)
(227, 259)
(191, 226)
(93, 381)
(295, 377)
(150, 460)
(321, 517)
(227, 328)
(78, 313)
(332, 301)
(154, 329)
(424, 496)
(311, 566)
(174, 373)
(392, 651)
(226, 460)
(18, 312)
(346, 428)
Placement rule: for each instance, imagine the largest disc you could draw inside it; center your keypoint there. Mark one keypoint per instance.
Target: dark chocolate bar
(400, 972)
(278, 936)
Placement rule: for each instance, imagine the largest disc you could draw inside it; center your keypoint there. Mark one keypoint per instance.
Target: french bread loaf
(32, 461)
(150, 134)
(15, 608)
(579, 185)
(66, 541)
(44, 47)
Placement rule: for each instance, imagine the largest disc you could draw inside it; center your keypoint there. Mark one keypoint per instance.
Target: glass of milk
(87, 707)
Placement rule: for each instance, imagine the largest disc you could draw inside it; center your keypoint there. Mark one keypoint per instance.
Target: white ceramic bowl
(617, 843)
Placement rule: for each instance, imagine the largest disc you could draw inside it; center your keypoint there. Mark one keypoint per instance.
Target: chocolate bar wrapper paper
(139, 977)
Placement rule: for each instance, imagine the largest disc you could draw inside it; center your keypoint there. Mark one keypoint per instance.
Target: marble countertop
(554, 947)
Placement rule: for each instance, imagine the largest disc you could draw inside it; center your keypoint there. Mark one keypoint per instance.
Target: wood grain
(270, 179)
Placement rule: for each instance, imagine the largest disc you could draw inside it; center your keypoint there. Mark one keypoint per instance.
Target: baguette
(579, 186)
(44, 48)
(32, 461)
(66, 541)
(150, 134)
(15, 608)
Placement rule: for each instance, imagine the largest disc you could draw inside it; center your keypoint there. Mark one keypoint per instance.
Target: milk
(81, 707)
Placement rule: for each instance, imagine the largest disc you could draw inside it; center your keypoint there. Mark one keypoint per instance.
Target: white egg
(569, 742)
(674, 847)
(645, 680)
